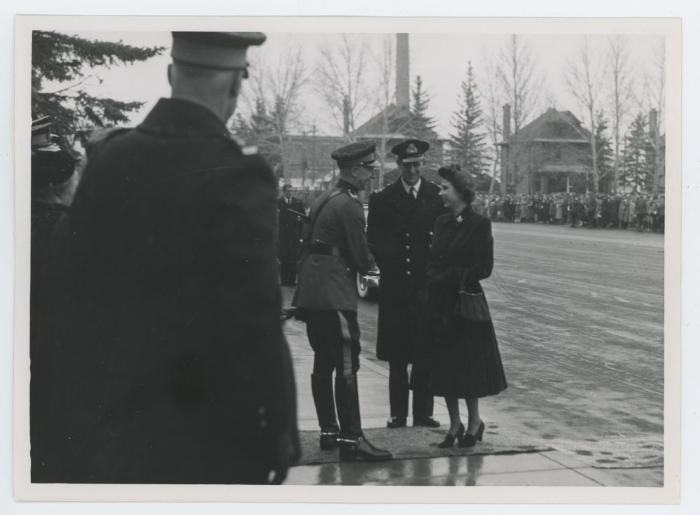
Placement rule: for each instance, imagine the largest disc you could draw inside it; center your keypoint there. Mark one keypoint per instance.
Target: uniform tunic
(173, 365)
(400, 232)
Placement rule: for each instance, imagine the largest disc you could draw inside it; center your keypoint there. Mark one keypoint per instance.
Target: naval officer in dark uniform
(335, 249)
(399, 229)
(171, 365)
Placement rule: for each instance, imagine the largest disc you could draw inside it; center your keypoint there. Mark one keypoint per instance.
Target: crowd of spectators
(634, 211)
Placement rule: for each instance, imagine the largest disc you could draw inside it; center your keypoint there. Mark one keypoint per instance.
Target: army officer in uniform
(399, 230)
(171, 362)
(335, 249)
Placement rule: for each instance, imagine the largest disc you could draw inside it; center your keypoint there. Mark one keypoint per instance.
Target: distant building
(548, 155)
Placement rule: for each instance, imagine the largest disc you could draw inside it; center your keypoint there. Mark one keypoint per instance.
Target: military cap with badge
(53, 160)
(410, 150)
(359, 153)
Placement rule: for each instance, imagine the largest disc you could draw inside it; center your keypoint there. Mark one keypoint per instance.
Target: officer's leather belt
(325, 249)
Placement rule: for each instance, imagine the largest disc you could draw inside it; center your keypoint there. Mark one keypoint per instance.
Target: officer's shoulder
(431, 186)
(101, 138)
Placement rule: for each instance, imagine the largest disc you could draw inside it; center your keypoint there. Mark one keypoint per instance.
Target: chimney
(506, 122)
(653, 120)
(402, 71)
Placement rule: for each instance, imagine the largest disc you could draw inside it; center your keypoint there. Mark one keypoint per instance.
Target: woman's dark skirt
(462, 358)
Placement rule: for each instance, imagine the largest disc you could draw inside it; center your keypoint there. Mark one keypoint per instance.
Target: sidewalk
(550, 468)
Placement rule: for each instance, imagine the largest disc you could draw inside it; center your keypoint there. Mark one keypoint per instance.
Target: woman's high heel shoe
(450, 439)
(468, 440)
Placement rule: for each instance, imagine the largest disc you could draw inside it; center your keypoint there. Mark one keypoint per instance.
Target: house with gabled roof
(550, 154)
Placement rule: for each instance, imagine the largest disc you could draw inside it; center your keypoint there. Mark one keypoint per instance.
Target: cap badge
(411, 149)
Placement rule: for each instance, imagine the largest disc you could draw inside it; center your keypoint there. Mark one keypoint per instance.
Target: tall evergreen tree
(422, 126)
(636, 167)
(66, 62)
(258, 130)
(468, 145)
(604, 153)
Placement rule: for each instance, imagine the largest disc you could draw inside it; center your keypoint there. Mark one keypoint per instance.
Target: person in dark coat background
(290, 214)
(53, 172)
(400, 230)
(173, 365)
(463, 355)
(335, 250)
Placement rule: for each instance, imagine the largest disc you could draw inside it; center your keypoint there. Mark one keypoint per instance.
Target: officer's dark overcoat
(399, 231)
(289, 228)
(327, 281)
(171, 362)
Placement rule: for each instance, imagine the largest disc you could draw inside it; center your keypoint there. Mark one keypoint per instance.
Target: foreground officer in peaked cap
(399, 229)
(172, 366)
(335, 249)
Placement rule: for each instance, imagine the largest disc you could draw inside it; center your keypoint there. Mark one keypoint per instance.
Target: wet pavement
(579, 317)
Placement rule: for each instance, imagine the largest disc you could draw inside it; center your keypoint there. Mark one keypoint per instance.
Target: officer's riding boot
(322, 391)
(353, 445)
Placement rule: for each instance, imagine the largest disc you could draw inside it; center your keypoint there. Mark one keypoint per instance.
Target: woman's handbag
(471, 307)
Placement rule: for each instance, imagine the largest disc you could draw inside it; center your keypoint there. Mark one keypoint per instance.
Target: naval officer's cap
(410, 150)
(214, 50)
(359, 153)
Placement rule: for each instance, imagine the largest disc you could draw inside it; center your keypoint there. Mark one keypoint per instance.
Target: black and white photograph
(383, 253)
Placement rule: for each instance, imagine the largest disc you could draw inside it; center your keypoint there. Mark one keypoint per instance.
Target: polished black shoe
(468, 440)
(450, 439)
(395, 422)
(360, 449)
(425, 422)
(328, 441)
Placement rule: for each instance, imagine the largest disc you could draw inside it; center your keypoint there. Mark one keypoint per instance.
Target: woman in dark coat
(462, 354)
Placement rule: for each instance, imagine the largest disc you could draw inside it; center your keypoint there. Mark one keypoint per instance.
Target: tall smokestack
(506, 122)
(403, 78)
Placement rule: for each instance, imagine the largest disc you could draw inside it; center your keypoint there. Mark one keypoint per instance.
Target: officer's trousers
(399, 387)
(334, 336)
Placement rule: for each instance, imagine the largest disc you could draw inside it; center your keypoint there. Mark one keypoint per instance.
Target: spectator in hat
(53, 164)
(173, 366)
(290, 214)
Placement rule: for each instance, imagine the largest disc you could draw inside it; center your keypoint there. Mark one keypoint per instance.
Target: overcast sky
(440, 59)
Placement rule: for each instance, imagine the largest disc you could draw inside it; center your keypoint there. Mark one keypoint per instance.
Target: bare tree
(521, 84)
(278, 85)
(584, 78)
(492, 104)
(621, 94)
(655, 99)
(341, 82)
(385, 97)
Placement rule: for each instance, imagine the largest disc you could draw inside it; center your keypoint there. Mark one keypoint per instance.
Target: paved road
(579, 316)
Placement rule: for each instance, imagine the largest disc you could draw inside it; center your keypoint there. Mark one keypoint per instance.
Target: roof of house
(553, 126)
(399, 120)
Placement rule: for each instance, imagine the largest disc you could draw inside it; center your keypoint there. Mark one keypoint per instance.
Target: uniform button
(408, 260)
(408, 247)
(408, 235)
(408, 272)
